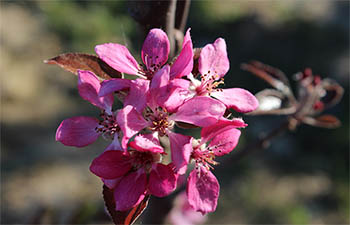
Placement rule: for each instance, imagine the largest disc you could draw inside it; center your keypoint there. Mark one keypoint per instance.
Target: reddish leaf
(80, 61)
(122, 217)
(326, 121)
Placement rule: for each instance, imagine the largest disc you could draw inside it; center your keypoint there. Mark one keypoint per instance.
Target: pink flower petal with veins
(146, 143)
(178, 93)
(89, 87)
(207, 133)
(214, 58)
(130, 122)
(225, 141)
(181, 148)
(239, 99)
(201, 111)
(183, 65)
(158, 92)
(118, 57)
(137, 96)
(162, 180)
(202, 191)
(111, 165)
(130, 190)
(112, 85)
(155, 49)
(77, 131)
(112, 183)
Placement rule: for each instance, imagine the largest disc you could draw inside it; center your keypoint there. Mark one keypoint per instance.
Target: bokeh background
(301, 178)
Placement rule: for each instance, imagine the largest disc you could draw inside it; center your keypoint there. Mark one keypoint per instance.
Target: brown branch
(170, 26)
(182, 10)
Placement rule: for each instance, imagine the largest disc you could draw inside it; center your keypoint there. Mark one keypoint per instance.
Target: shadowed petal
(111, 164)
(158, 92)
(118, 57)
(202, 190)
(178, 93)
(239, 99)
(223, 124)
(89, 87)
(147, 143)
(130, 190)
(112, 85)
(77, 131)
(115, 144)
(183, 65)
(162, 180)
(225, 141)
(112, 183)
(137, 95)
(201, 111)
(130, 122)
(155, 49)
(213, 59)
(181, 148)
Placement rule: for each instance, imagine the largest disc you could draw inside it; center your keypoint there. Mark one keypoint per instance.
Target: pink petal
(225, 141)
(147, 143)
(130, 190)
(118, 57)
(202, 191)
(112, 183)
(223, 124)
(213, 59)
(115, 145)
(187, 37)
(181, 148)
(239, 99)
(201, 111)
(130, 122)
(155, 49)
(111, 164)
(183, 65)
(158, 92)
(183, 214)
(137, 95)
(162, 180)
(112, 85)
(77, 131)
(89, 87)
(178, 93)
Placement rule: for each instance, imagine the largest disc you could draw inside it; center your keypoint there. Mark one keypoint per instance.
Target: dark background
(301, 178)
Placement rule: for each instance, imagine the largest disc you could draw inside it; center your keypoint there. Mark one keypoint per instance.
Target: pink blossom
(135, 173)
(82, 130)
(213, 64)
(202, 185)
(154, 55)
(183, 214)
(201, 111)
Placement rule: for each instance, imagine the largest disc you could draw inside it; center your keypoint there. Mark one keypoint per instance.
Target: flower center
(159, 120)
(209, 83)
(150, 67)
(203, 156)
(107, 126)
(142, 160)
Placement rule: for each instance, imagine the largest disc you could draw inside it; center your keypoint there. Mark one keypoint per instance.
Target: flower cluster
(161, 97)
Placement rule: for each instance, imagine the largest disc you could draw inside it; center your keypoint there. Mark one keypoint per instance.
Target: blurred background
(301, 178)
